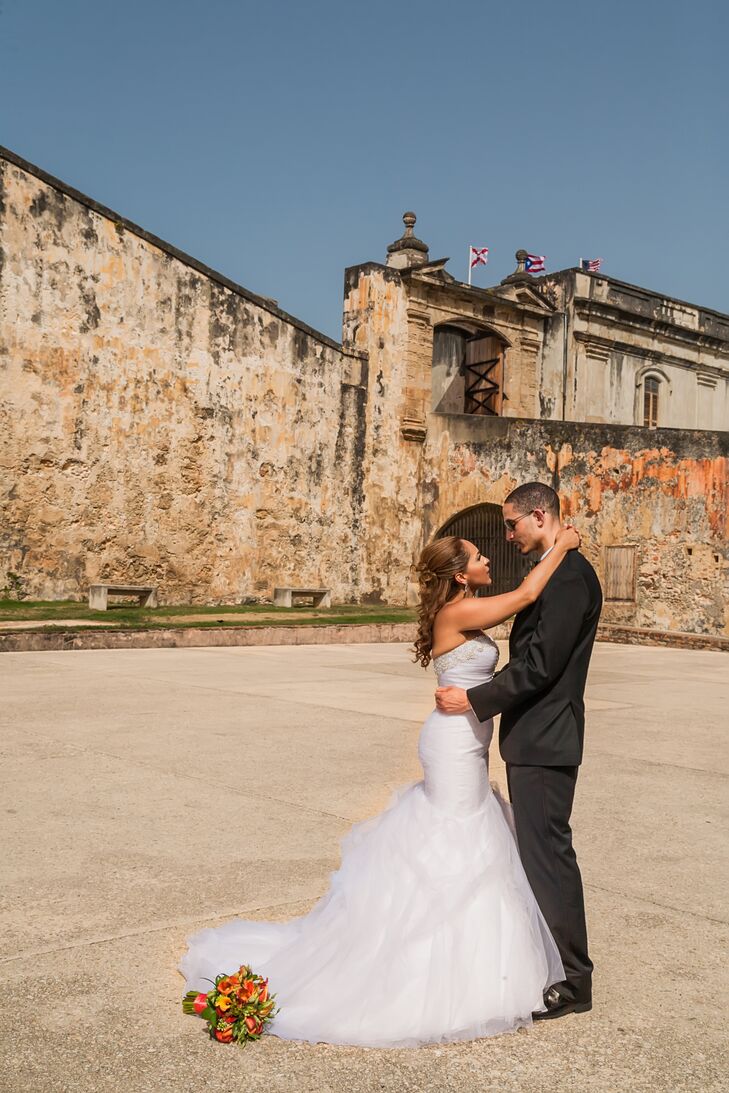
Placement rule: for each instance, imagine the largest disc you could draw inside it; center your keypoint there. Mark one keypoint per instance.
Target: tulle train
(429, 933)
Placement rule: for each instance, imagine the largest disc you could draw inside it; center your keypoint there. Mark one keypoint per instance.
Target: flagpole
(469, 265)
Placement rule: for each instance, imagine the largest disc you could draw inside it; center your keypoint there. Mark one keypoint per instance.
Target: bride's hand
(568, 538)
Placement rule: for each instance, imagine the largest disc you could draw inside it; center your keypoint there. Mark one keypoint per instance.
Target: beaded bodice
(468, 664)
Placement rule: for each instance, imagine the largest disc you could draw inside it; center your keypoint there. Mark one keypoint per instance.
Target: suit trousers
(542, 800)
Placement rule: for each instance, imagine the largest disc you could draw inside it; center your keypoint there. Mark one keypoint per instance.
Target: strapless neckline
(467, 650)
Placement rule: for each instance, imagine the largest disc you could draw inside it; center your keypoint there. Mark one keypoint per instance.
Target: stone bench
(99, 594)
(320, 597)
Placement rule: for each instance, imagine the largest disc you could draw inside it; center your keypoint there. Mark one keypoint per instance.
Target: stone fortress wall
(162, 424)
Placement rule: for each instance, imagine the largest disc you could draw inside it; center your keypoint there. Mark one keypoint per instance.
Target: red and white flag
(535, 263)
(479, 256)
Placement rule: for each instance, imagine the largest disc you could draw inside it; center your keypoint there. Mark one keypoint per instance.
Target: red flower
(194, 1002)
(254, 1026)
(224, 1030)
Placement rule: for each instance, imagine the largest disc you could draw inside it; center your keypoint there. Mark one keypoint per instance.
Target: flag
(479, 256)
(535, 263)
(590, 265)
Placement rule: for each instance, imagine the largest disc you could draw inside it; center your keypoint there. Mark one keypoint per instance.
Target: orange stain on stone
(685, 479)
(594, 493)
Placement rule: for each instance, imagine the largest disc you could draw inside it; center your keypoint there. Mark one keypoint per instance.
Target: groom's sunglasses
(510, 525)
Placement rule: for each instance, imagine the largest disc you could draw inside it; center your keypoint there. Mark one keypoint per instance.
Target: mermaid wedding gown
(429, 931)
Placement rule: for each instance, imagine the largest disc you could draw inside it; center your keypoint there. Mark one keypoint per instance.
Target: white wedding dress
(429, 931)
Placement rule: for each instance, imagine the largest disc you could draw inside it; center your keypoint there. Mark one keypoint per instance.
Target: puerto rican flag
(590, 265)
(479, 256)
(535, 263)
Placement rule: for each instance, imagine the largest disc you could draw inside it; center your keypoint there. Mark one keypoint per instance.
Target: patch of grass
(126, 617)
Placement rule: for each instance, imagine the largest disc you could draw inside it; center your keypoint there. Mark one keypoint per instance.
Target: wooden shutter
(484, 372)
(620, 573)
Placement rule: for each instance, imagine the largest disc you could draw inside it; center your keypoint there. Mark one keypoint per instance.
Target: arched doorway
(483, 525)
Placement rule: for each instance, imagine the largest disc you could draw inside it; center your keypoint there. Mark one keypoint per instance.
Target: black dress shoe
(559, 1006)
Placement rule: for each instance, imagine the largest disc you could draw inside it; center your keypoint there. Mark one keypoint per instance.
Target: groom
(539, 695)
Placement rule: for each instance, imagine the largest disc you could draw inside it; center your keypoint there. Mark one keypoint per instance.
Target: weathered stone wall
(390, 314)
(664, 491)
(376, 317)
(160, 425)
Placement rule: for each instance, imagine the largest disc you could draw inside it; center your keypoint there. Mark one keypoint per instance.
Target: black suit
(540, 696)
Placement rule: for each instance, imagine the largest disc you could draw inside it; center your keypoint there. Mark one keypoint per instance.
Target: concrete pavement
(147, 793)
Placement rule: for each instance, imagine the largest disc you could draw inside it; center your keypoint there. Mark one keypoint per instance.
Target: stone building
(161, 423)
(570, 346)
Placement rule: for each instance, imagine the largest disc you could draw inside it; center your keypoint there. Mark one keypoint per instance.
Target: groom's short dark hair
(534, 495)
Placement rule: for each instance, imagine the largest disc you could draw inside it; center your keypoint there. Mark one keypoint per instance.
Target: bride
(429, 931)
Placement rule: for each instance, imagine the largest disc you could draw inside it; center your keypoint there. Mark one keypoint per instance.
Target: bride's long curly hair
(437, 568)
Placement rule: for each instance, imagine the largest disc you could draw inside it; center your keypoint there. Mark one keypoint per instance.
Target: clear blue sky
(281, 141)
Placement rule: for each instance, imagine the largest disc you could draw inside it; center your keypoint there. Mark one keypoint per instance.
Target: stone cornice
(628, 289)
(476, 298)
(616, 316)
(474, 429)
(417, 315)
(596, 346)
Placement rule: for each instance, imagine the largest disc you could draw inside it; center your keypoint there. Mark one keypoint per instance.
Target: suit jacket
(540, 692)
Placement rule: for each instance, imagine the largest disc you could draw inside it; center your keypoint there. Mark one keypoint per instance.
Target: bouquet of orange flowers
(237, 1008)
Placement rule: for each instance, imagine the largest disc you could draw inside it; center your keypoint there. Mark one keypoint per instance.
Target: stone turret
(407, 251)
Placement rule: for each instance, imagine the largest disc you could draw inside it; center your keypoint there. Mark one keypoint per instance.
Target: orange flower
(264, 991)
(246, 990)
(254, 1026)
(224, 1035)
(222, 1003)
(227, 985)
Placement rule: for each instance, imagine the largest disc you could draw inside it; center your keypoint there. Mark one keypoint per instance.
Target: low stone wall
(633, 635)
(207, 637)
(191, 637)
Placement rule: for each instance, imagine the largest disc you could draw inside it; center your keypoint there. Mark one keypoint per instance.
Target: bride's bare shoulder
(447, 634)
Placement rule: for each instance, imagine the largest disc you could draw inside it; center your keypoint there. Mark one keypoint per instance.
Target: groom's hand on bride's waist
(452, 700)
